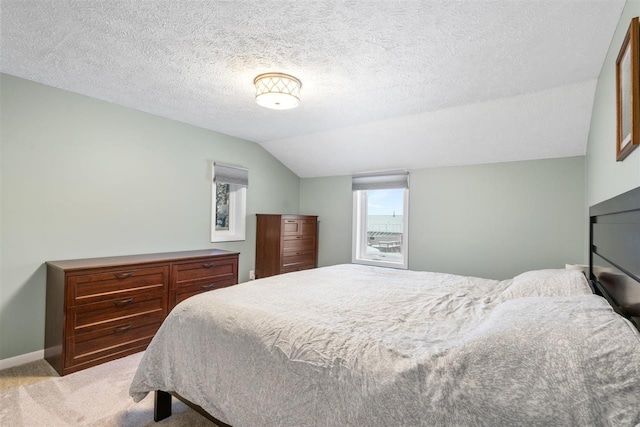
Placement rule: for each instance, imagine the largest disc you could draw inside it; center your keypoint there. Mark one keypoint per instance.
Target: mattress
(354, 345)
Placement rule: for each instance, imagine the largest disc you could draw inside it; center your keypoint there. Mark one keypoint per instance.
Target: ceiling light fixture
(278, 91)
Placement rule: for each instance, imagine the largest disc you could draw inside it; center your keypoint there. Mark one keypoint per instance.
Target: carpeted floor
(34, 395)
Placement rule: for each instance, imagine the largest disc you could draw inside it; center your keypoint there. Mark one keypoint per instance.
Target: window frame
(359, 238)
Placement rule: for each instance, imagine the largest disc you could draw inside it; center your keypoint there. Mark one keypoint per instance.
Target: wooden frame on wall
(628, 93)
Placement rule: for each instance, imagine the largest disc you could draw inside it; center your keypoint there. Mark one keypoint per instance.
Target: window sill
(381, 263)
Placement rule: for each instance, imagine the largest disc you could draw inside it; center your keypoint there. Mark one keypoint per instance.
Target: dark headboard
(614, 259)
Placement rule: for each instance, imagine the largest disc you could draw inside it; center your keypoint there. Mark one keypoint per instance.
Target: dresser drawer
(106, 344)
(213, 270)
(291, 245)
(188, 291)
(117, 283)
(137, 310)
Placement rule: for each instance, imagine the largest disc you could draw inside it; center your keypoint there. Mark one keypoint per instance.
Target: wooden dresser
(285, 243)
(101, 309)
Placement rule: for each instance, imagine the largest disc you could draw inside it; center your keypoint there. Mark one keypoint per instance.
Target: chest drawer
(291, 227)
(299, 227)
(136, 310)
(117, 283)
(298, 267)
(291, 245)
(212, 270)
(298, 259)
(308, 227)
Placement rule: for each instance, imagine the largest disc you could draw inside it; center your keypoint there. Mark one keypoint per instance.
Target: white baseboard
(21, 359)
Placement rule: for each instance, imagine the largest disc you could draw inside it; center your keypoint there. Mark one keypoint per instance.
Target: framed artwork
(628, 93)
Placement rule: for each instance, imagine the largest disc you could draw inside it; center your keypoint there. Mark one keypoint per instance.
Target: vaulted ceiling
(386, 84)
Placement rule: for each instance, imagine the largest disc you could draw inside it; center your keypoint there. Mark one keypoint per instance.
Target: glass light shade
(277, 91)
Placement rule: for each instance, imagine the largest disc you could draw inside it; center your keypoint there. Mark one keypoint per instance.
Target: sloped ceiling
(386, 84)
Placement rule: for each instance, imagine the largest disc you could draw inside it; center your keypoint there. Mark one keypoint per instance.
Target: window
(229, 200)
(380, 219)
(223, 193)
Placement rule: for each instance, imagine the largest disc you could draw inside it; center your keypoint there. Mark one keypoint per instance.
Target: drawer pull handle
(209, 265)
(123, 275)
(298, 237)
(209, 286)
(290, 221)
(121, 329)
(123, 302)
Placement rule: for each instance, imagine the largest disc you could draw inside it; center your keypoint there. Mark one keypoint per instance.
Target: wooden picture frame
(628, 93)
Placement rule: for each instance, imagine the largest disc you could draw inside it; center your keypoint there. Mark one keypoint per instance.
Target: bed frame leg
(161, 406)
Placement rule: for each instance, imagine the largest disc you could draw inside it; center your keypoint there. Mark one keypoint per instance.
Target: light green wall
(331, 199)
(497, 220)
(83, 178)
(607, 178)
(494, 220)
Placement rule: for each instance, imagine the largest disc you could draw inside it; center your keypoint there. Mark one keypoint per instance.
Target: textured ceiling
(386, 84)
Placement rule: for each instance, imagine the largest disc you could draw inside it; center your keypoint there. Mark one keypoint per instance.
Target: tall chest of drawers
(285, 243)
(101, 309)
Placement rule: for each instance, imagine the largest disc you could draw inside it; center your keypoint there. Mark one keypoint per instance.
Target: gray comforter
(353, 345)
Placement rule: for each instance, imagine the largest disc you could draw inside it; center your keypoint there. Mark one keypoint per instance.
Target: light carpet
(34, 395)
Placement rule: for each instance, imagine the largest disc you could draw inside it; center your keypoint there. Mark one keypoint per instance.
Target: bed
(359, 345)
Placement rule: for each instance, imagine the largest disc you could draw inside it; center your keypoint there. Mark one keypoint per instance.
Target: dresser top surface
(76, 264)
(288, 216)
